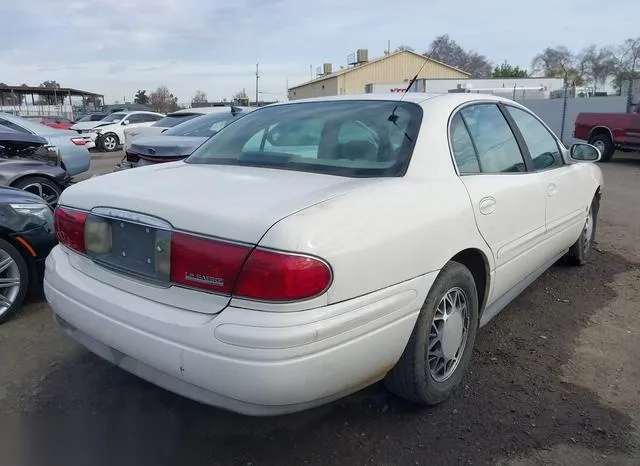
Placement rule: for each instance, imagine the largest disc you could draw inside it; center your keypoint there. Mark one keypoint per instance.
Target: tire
(109, 142)
(46, 188)
(12, 267)
(413, 376)
(604, 143)
(581, 250)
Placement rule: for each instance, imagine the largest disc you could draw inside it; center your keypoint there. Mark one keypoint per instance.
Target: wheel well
(32, 175)
(600, 130)
(476, 262)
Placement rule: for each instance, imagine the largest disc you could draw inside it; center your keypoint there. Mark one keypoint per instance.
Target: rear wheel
(581, 250)
(605, 145)
(438, 352)
(109, 142)
(45, 188)
(14, 280)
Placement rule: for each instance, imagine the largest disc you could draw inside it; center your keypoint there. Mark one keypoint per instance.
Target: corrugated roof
(47, 91)
(375, 60)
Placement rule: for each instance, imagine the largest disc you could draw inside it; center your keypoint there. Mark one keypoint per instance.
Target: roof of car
(208, 110)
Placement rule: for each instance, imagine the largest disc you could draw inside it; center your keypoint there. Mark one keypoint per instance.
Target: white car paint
(386, 240)
(118, 127)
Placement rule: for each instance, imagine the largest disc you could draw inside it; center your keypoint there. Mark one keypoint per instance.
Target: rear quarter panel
(383, 234)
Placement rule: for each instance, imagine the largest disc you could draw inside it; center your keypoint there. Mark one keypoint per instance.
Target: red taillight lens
(78, 141)
(69, 226)
(275, 276)
(204, 263)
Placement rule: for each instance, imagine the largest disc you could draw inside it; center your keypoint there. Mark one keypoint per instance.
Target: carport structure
(15, 99)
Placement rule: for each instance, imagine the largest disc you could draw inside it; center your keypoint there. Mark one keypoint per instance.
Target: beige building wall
(396, 68)
(324, 87)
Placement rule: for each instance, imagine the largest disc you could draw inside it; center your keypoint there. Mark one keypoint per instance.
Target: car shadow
(514, 400)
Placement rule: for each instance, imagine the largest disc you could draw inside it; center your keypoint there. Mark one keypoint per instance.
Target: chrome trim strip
(132, 217)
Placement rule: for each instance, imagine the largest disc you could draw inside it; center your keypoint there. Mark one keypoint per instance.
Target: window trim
(524, 151)
(560, 147)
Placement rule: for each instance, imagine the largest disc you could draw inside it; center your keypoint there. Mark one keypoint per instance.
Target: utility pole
(257, 78)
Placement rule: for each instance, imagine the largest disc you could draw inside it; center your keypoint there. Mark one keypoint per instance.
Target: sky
(115, 47)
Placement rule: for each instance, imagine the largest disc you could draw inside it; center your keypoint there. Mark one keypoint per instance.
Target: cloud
(118, 47)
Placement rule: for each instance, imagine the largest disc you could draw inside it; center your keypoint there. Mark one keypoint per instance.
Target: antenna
(428, 58)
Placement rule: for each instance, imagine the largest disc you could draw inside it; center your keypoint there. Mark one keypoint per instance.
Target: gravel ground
(554, 380)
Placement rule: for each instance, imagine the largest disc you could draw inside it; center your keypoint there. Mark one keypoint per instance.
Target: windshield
(113, 117)
(203, 125)
(172, 120)
(94, 117)
(357, 138)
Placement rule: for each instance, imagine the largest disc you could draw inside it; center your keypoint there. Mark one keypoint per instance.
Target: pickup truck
(610, 131)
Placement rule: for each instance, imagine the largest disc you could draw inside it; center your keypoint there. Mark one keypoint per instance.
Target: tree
(200, 97)
(9, 98)
(163, 101)
(93, 100)
(448, 51)
(141, 97)
(403, 47)
(597, 64)
(507, 71)
(559, 62)
(51, 99)
(627, 63)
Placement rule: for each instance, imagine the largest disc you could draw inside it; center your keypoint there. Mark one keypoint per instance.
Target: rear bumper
(252, 362)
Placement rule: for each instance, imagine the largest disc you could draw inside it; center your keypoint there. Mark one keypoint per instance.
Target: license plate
(130, 247)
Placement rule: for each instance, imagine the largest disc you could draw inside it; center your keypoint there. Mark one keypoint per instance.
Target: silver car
(73, 152)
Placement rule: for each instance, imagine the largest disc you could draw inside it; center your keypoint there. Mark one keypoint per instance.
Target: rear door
(566, 200)
(508, 199)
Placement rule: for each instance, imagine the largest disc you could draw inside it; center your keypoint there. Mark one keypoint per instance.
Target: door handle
(487, 205)
(552, 190)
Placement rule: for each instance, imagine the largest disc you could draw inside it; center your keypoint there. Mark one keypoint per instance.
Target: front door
(508, 200)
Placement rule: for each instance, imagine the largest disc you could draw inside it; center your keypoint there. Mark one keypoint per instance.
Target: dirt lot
(555, 379)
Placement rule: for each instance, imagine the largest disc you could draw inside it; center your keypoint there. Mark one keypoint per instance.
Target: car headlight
(26, 216)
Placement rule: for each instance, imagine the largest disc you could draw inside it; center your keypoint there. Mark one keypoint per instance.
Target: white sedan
(315, 247)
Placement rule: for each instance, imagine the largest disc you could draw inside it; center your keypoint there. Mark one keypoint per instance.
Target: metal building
(361, 74)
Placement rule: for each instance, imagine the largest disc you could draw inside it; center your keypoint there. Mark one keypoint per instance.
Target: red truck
(610, 131)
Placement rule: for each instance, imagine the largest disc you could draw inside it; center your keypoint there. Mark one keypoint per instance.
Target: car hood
(239, 203)
(166, 146)
(15, 195)
(104, 125)
(85, 125)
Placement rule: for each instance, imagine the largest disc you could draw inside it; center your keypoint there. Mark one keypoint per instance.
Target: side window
(463, 151)
(135, 118)
(540, 142)
(498, 150)
(151, 117)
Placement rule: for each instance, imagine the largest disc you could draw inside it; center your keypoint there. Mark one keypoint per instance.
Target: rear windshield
(203, 125)
(172, 120)
(356, 138)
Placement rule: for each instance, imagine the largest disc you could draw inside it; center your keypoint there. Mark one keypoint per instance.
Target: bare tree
(627, 63)
(200, 97)
(403, 47)
(597, 64)
(559, 62)
(448, 51)
(163, 101)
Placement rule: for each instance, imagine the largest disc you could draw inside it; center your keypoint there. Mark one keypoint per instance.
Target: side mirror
(583, 152)
(125, 122)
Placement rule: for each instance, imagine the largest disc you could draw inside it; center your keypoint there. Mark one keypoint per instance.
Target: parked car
(26, 238)
(176, 143)
(53, 121)
(108, 135)
(176, 118)
(26, 163)
(610, 131)
(74, 155)
(264, 278)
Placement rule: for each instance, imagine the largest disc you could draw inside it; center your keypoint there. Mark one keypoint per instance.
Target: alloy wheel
(9, 281)
(45, 191)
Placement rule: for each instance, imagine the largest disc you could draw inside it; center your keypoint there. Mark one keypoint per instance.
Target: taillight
(69, 225)
(244, 272)
(78, 141)
(278, 276)
(204, 263)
